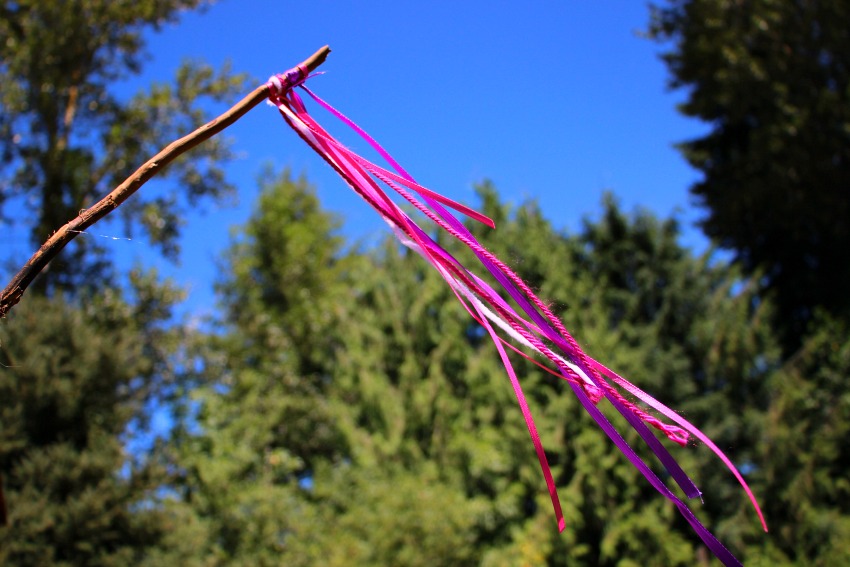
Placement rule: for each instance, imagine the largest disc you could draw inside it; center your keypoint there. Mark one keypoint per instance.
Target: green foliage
(347, 411)
(352, 413)
(771, 79)
(806, 451)
(383, 516)
(66, 140)
(73, 379)
(82, 369)
(263, 410)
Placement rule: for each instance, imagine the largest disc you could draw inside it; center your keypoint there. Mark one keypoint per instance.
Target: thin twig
(10, 296)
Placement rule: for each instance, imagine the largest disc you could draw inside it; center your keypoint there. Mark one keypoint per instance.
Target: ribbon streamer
(533, 327)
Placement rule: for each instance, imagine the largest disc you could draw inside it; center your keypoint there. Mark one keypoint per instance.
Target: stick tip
(317, 58)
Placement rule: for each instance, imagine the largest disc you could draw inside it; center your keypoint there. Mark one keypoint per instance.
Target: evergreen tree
(83, 359)
(264, 419)
(712, 350)
(804, 452)
(424, 455)
(772, 79)
(73, 379)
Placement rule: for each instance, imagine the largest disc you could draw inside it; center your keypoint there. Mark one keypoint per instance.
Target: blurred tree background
(90, 349)
(345, 410)
(772, 80)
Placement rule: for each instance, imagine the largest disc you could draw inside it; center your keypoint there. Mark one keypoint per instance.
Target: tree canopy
(771, 78)
(84, 358)
(66, 139)
(370, 422)
(342, 408)
(73, 381)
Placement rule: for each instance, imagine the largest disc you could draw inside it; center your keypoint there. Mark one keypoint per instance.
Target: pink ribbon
(586, 376)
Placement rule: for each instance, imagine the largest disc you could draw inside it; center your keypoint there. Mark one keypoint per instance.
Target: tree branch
(10, 296)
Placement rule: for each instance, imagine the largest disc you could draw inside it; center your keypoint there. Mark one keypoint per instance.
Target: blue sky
(553, 101)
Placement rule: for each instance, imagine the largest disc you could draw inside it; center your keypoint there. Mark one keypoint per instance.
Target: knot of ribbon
(281, 83)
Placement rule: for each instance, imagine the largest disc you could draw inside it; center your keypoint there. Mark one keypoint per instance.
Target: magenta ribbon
(586, 376)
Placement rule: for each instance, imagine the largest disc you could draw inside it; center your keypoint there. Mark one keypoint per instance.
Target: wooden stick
(10, 296)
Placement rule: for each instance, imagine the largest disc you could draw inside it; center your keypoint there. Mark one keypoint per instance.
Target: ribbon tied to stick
(529, 324)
